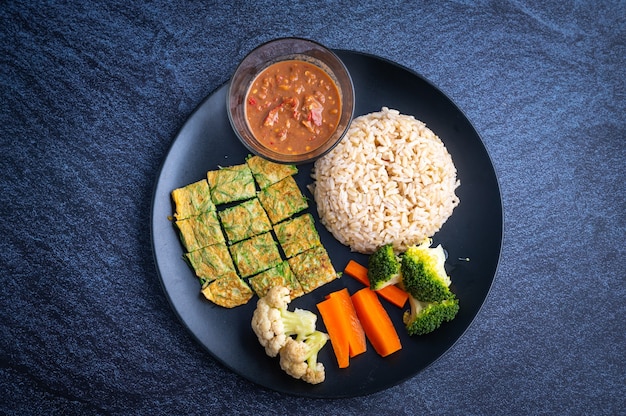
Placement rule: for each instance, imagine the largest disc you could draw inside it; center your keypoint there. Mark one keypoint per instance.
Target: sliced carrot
(391, 293)
(356, 334)
(330, 310)
(357, 271)
(394, 295)
(376, 322)
(347, 336)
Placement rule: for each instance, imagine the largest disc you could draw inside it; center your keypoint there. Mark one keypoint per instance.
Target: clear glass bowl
(280, 50)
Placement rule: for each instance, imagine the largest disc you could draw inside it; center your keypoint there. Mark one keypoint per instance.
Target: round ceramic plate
(474, 231)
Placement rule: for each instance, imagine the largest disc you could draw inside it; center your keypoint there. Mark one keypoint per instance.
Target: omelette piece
(231, 184)
(312, 268)
(200, 231)
(267, 173)
(282, 199)
(244, 220)
(297, 235)
(228, 291)
(255, 254)
(211, 262)
(280, 275)
(192, 200)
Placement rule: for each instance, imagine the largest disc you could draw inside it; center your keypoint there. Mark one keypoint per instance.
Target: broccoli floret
(423, 273)
(298, 358)
(383, 268)
(425, 317)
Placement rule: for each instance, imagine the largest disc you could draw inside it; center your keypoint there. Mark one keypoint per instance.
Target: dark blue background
(93, 93)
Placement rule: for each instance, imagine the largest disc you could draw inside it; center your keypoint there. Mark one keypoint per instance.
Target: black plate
(474, 231)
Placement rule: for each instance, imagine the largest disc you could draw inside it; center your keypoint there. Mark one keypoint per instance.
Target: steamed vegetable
(391, 293)
(291, 334)
(298, 358)
(376, 322)
(425, 317)
(347, 336)
(383, 268)
(423, 274)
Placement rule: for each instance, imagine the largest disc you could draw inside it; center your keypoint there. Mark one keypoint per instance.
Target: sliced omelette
(228, 291)
(282, 199)
(255, 254)
(297, 234)
(192, 199)
(200, 231)
(231, 184)
(244, 220)
(312, 268)
(211, 262)
(280, 275)
(267, 173)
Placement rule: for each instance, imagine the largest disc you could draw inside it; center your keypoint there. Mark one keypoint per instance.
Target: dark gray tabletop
(94, 93)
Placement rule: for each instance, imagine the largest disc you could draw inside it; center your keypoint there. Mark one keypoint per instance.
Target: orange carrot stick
(356, 334)
(357, 271)
(330, 310)
(376, 322)
(392, 293)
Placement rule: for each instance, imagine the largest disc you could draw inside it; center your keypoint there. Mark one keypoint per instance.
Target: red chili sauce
(293, 107)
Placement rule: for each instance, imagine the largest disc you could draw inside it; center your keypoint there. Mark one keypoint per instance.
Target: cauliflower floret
(273, 324)
(268, 327)
(298, 358)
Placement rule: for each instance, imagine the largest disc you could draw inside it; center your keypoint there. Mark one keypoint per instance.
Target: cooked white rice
(390, 180)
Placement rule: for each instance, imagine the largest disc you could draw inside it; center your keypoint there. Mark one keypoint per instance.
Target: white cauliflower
(273, 323)
(275, 327)
(298, 358)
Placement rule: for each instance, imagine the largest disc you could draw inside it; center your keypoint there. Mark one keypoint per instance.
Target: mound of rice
(390, 180)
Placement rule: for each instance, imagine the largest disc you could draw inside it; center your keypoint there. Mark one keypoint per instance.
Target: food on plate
(244, 220)
(390, 180)
(376, 322)
(423, 272)
(267, 173)
(392, 293)
(228, 291)
(425, 317)
(297, 235)
(383, 268)
(293, 107)
(282, 199)
(229, 231)
(192, 200)
(279, 275)
(292, 334)
(423, 276)
(231, 184)
(200, 231)
(346, 333)
(312, 268)
(255, 254)
(298, 358)
(210, 262)
(233, 223)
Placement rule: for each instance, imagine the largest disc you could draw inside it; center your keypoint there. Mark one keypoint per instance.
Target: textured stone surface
(93, 93)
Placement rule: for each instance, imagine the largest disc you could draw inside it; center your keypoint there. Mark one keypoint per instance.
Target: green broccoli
(383, 268)
(423, 273)
(425, 317)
